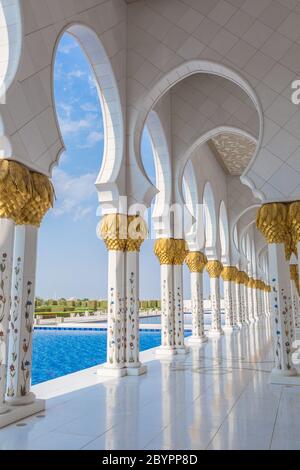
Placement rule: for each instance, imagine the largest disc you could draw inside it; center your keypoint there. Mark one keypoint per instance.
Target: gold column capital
(196, 261)
(240, 277)
(25, 195)
(271, 220)
(113, 230)
(229, 273)
(41, 201)
(214, 268)
(294, 221)
(180, 251)
(164, 249)
(121, 232)
(15, 188)
(251, 283)
(170, 250)
(137, 232)
(280, 223)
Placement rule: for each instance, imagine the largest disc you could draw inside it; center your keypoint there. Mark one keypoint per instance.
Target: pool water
(60, 352)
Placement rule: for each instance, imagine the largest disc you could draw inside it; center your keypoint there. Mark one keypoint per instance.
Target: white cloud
(81, 213)
(75, 195)
(92, 82)
(66, 108)
(67, 48)
(89, 107)
(69, 126)
(92, 139)
(76, 74)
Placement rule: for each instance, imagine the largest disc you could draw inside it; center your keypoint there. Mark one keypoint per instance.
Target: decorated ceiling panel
(234, 151)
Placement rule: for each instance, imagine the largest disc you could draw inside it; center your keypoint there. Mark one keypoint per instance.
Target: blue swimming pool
(60, 352)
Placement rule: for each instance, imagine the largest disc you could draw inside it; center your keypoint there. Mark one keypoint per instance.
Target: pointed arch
(109, 97)
(10, 43)
(178, 74)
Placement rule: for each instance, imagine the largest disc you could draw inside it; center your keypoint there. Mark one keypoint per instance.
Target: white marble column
(259, 304)
(21, 317)
(268, 301)
(239, 303)
(244, 292)
(214, 269)
(7, 228)
(295, 293)
(116, 360)
(293, 221)
(264, 303)
(254, 301)
(261, 293)
(235, 306)
(283, 330)
(178, 310)
(167, 310)
(228, 306)
(132, 349)
(164, 250)
(264, 300)
(250, 300)
(198, 335)
(229, 274)
(196, 262)
(180, 253)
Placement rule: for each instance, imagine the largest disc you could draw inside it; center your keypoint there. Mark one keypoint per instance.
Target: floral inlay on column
(131, 324)
(279, 223)
(178, 310)
(26, 344)
(164, 250)
(180, 253)
(14, 327)
(214, 269)
(3, 304)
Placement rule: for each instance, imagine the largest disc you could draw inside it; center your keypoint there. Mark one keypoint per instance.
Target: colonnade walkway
(216, 397)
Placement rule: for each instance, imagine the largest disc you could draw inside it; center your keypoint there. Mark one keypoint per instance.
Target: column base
(163, 351)
(18, 413)
(215, 333)
(287, 377)
(109, 371)
(183, 350)
(135, 371)
(195, 340)
(230, 329)
(4, 408)
(28, 399)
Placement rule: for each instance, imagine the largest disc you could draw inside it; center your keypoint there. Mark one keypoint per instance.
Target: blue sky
(72, 261)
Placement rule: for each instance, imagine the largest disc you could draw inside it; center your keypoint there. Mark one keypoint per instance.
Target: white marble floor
(216, 397)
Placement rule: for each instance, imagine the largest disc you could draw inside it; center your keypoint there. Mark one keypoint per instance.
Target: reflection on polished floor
(216, 397)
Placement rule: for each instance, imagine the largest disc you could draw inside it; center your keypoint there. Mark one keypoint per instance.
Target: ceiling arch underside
(258, 39)
(233, 151)
(203, 103)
